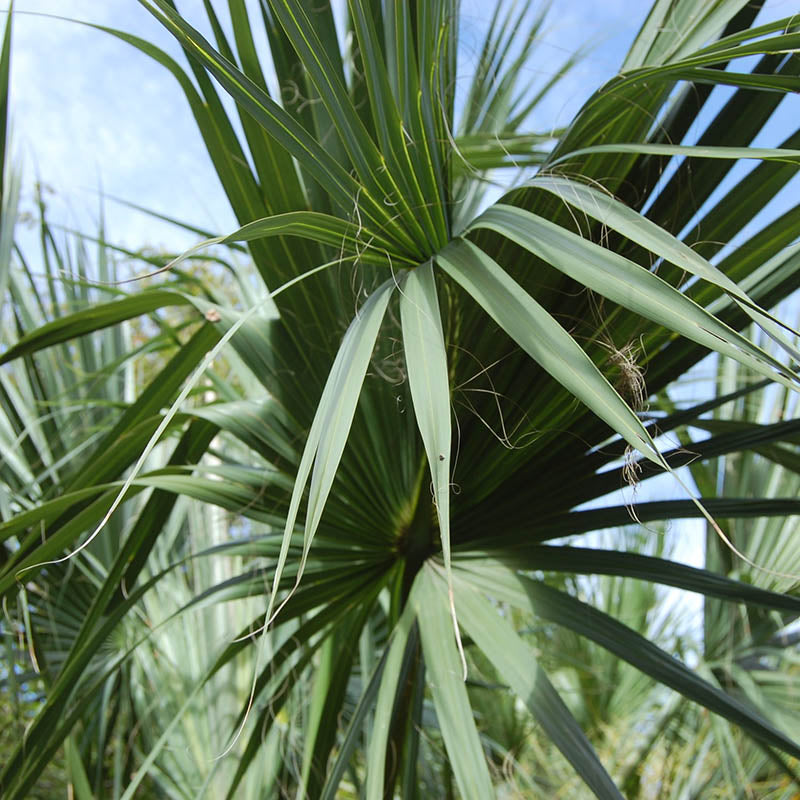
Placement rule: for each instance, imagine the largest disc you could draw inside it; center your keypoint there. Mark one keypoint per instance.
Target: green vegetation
(329, 516)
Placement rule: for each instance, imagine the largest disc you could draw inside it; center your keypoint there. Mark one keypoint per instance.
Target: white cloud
(88, 108)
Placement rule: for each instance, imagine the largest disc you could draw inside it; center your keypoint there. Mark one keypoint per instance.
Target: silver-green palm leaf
(432, 402)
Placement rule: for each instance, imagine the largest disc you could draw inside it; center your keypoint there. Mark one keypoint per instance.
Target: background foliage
(332, 502)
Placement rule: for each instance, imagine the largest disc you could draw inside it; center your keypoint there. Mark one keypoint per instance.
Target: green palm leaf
(379, 469)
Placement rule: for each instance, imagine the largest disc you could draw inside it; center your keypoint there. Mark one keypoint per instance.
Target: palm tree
(746, 651)
(433, 390)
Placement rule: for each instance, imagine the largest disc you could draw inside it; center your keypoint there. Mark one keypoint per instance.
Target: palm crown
(431, 389)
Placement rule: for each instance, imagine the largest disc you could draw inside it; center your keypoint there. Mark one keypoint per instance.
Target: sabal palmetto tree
(747, 651)
(439, 391)
(668, 747)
